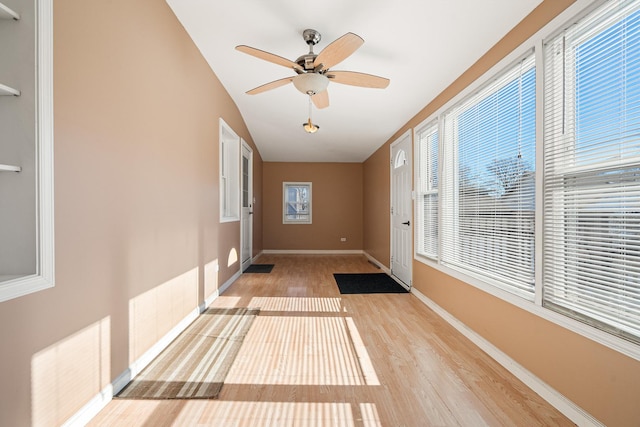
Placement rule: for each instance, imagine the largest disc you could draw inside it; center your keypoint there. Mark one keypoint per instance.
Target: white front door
(401, 229)
(246, 230)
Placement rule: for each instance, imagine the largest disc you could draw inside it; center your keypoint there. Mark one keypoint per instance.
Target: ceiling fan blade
(266, 56)
(338, 50)
(358, 79)
(321, 100)
(271, 85)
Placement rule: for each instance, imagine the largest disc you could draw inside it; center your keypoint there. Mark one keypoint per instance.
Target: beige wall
(377, 205)
(336, 204)
(137, 229)
(603, 382)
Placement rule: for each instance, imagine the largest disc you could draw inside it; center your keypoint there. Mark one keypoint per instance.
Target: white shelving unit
(7, 13)
(8, 91)
(26, 137)
(10, 168)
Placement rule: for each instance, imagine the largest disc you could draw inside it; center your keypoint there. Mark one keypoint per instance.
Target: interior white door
(401, 211)
(246, 230)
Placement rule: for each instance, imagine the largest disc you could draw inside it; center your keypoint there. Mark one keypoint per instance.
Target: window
(427, 188)
(26, 148)
(592, 170)
(476, 212)
(229, 174)
(296, 203)
(488, 186)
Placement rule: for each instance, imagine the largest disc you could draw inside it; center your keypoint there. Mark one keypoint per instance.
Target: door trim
(243, 264)
(407, 134)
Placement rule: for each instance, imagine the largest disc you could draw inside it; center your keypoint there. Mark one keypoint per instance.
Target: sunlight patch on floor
(369, 413)
(302, 351)
(297, 304)
(238, 413)
(226, 302)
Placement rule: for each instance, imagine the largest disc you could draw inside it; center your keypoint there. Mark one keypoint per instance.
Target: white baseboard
(378, 263)
(255, 258)
(229, 282)
(548, 393)
(211, 298)
(312, 252)
(91, 409)
(99, 401)
(138, 365)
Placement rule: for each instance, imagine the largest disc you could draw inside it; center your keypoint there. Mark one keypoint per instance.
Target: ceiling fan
(313, 71)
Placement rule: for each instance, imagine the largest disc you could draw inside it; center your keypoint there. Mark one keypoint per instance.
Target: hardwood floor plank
(315, 357)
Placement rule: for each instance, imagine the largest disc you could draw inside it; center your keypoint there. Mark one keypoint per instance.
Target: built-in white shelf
(10, 168)
(7, 13)
(8, 91)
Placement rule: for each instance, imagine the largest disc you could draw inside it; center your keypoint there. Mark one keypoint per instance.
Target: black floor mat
(259, 268)
(367, 283)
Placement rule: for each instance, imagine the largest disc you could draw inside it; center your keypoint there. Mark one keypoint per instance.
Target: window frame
(451, 253)
(285, 202)
(583, 176)
(424, 185)
(230, 159)
(536, 41)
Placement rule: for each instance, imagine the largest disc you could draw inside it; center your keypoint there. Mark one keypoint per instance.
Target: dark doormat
(259, 268)
(367, 283)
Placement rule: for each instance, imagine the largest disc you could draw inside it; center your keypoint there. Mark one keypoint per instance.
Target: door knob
(406, 223)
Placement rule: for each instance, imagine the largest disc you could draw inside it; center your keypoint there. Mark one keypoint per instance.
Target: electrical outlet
(343, 239)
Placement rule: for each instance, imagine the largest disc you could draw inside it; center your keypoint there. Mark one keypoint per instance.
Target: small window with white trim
(296, 203)
(229, 174)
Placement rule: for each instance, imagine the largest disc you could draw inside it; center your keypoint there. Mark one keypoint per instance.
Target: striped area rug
(196, 363)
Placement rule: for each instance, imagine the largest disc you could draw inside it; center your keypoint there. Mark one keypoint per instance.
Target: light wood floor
(314, 357)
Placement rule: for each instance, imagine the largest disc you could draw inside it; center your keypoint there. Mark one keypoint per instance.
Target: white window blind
(488, 186)
(427, 197)
(592, 170)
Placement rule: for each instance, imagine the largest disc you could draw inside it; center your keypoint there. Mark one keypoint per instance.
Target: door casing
(401, 208)
(246, 212)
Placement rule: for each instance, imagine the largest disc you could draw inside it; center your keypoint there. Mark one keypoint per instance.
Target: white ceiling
(422, 46)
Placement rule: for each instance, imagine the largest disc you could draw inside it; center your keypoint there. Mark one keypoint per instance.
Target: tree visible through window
(592, 171)
(297, 202)
(489, 189)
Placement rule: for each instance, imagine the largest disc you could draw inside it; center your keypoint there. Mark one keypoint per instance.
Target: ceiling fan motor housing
(306, 61)
(312, 38)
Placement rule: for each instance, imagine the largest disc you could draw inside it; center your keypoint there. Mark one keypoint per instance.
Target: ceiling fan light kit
(310, 127)
(311, 83)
